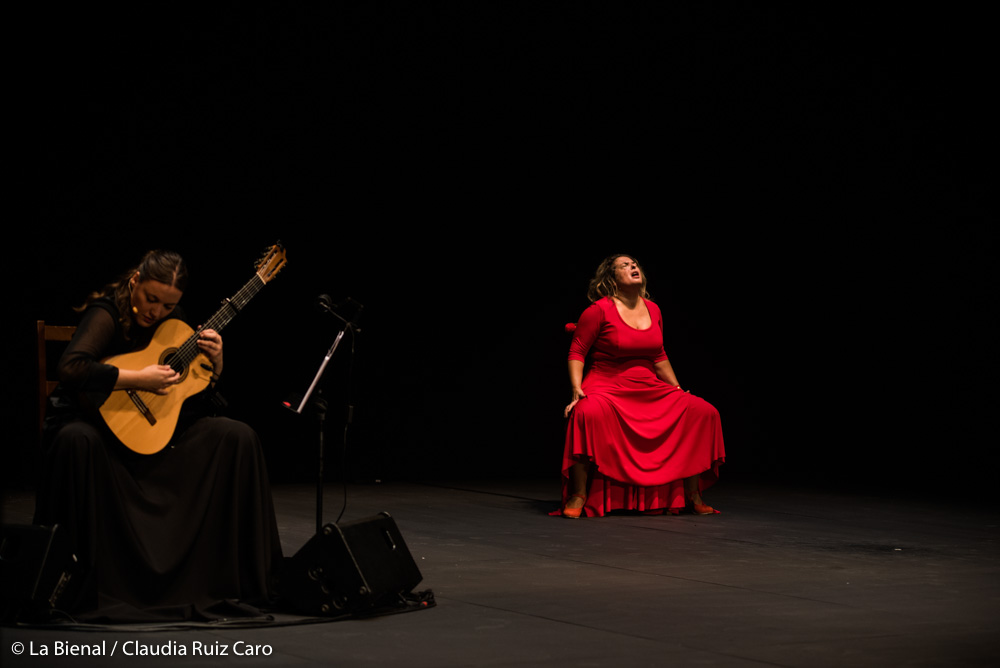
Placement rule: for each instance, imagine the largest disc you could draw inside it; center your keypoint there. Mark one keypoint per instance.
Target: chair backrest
(46, 385)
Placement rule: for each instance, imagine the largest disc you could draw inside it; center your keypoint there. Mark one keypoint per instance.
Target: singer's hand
(577, 395)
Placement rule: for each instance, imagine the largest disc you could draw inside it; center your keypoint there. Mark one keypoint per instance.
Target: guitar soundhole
(168, 355)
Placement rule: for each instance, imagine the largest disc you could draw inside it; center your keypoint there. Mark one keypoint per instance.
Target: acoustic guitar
(145, 421)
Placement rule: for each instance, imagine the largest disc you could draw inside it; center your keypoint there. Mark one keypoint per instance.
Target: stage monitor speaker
(37, 566)
(349, 567)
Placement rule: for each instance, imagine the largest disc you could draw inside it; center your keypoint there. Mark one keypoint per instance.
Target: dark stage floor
(790, 578)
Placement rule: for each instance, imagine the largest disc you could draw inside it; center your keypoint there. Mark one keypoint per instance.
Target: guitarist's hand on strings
(156, 378)
(210, 343)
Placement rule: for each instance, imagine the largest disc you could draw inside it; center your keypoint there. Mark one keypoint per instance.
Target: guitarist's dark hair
(157, 265)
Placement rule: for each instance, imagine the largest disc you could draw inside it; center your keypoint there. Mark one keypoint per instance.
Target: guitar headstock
(272, 262)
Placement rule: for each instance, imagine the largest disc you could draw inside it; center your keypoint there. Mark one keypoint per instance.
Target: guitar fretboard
(189, 350)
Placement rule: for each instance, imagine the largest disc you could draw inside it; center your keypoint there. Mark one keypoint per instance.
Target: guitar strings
(188, 351)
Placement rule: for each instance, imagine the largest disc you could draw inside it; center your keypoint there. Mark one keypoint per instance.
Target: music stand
(326, 305)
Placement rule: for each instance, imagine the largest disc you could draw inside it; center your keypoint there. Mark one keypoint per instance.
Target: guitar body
(145, 421)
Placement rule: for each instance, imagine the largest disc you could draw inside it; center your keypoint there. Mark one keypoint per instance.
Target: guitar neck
(189, 350)
(235, 304)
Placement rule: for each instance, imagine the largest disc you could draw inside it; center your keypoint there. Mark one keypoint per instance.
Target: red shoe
(702, 509)
(699, 508)
(574, 513)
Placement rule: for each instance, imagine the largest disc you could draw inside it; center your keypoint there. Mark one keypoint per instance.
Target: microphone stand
(321, 404)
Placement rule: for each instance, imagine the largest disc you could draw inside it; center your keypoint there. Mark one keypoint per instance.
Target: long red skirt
(643, 437)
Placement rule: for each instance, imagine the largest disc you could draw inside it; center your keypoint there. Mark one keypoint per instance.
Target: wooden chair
(47, 333)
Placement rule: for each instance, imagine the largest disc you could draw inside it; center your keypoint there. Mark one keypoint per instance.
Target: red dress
(643, 435)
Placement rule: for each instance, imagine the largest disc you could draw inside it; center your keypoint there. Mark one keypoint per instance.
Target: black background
(804, 186)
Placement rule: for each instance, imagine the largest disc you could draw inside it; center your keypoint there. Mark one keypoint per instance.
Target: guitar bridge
(141, 405)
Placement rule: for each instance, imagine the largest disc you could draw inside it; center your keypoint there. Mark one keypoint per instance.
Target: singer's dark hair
(603, 283)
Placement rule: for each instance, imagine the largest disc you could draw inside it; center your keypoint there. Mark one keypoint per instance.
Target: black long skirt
(188, 533)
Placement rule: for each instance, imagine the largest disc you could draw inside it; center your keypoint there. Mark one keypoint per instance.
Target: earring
(135, 309)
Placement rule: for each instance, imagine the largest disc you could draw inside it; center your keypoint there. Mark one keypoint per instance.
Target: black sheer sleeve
(80, 367)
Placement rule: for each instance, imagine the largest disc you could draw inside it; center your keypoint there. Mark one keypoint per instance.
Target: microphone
(325, 303)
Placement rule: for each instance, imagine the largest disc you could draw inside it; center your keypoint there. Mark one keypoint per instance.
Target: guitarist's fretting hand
(210, 343)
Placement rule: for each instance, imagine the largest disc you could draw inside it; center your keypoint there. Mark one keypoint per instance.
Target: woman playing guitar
(185, 531)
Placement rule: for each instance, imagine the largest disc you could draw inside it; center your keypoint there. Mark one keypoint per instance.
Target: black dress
(188, 533)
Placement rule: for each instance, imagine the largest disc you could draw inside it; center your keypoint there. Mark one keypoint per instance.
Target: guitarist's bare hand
(157, 378)
(210, 343)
